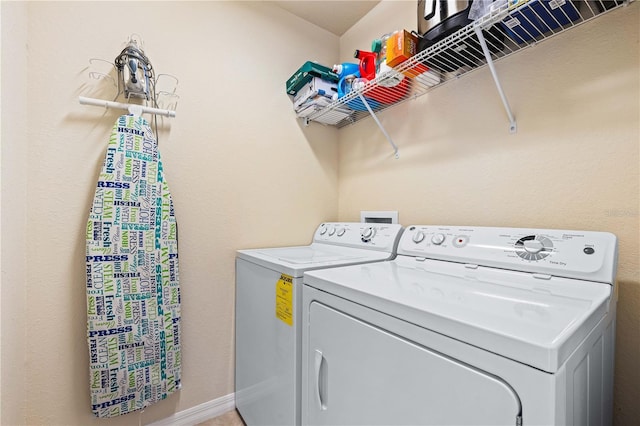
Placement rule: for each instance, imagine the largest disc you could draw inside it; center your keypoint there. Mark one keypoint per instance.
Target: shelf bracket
(393, 145)
(513, 127)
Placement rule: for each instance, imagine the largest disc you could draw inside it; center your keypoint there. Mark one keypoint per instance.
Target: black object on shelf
(463, 53)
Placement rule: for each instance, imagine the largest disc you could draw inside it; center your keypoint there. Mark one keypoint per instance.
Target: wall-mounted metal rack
(502, 32)
(132, 76)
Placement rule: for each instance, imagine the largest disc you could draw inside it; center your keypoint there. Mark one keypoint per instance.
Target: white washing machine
(466, 326)
(268, 313)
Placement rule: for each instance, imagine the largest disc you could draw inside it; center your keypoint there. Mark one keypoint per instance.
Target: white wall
(573, 164)
(243, 173)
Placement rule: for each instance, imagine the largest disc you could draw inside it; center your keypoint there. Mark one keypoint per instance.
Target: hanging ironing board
(133, 294)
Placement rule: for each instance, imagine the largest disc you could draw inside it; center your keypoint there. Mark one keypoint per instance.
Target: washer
(268, 310)
(466, 326)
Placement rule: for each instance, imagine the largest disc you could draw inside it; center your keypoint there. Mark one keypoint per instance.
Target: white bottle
(391, 77)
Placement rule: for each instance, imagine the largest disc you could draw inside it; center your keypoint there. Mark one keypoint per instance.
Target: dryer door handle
(321, 370)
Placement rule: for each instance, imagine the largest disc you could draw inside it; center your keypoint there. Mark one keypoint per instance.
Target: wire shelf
(506, 30)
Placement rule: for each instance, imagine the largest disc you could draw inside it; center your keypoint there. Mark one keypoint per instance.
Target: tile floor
(231, 418)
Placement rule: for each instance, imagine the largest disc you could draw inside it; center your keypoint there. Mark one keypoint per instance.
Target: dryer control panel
(547, 252)
(374, 236)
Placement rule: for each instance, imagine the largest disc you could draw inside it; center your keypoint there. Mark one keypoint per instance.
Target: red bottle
(367, 63)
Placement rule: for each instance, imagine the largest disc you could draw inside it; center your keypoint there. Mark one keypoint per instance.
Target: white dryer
(268, 313)
(467, 326)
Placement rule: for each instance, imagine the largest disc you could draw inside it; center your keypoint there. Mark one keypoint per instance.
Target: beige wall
(14, 185)
(243, 173)
(573, 164)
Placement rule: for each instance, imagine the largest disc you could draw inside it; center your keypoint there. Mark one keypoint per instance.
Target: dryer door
(361, 374)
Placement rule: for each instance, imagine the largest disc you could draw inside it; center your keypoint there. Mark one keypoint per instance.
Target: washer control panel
(375, 236)
(573, 254)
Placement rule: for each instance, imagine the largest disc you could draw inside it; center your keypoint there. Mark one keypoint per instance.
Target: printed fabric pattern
(133, 294)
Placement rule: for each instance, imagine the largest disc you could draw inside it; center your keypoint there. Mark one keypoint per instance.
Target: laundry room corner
(247, 172)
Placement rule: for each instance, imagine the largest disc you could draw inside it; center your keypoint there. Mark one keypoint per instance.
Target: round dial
(533, 247)
(341, 232)
(367, 234)
(418, 237)
(332, 230)
(460, 241)
(437, 239)
(323, 229)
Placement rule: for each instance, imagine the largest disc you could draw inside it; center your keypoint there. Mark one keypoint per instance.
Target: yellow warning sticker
(284, 299)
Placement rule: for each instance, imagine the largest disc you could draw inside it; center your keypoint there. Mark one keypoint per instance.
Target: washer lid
(295, 261)
(307, 255)
(538, 322)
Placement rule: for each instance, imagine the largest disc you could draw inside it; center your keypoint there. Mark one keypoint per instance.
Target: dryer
(466, 326)
(268, 313)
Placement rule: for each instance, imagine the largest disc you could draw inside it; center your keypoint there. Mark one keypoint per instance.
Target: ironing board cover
(133, 295)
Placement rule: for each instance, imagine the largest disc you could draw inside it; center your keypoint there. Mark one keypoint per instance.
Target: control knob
(533, 247)
(418, 237)
(437, 239)
(367, 234)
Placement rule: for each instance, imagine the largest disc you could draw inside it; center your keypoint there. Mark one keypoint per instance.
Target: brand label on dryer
(284, 299)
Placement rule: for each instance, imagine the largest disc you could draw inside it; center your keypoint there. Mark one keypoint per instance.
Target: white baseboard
(200, 413)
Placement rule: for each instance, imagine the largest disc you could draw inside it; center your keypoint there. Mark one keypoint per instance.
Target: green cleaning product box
(306, 73)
